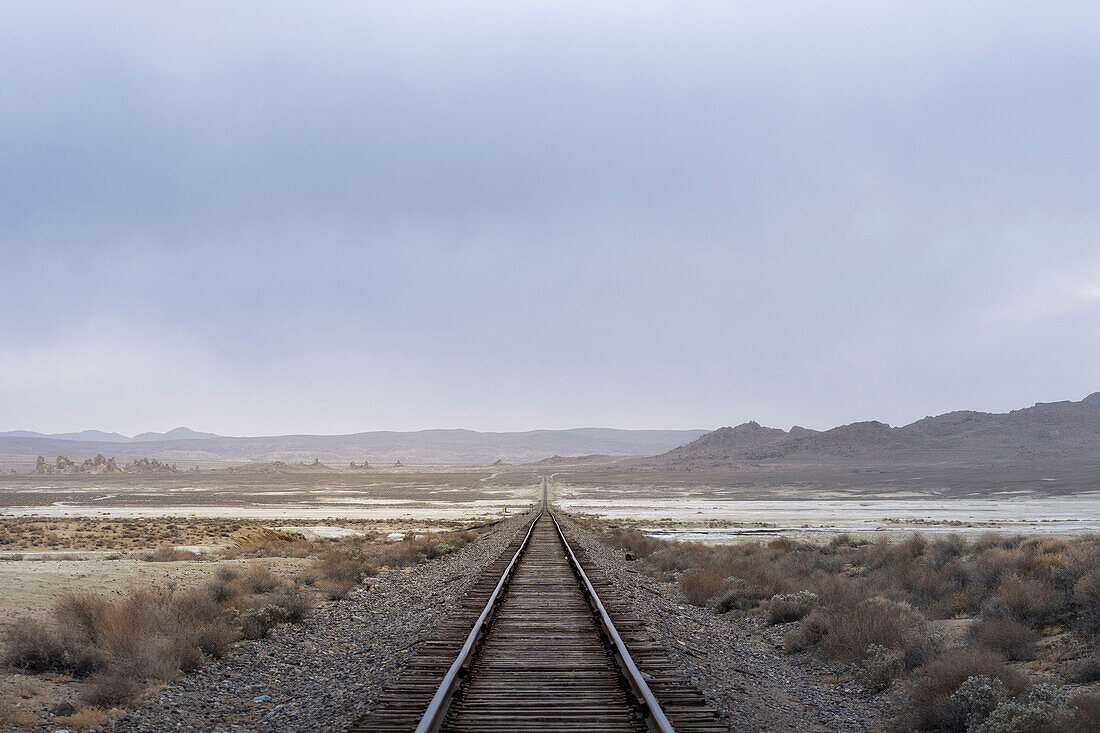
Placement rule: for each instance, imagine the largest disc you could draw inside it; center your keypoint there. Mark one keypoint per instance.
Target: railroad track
(539, 644)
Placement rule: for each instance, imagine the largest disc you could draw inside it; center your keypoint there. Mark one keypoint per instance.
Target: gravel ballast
(737, 661)
(325, 673)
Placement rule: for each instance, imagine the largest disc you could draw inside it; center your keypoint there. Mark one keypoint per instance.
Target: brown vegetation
(169, 554)
(118, 648)
(934, 704)
(151, 634)
(114, 533)
(875, 604)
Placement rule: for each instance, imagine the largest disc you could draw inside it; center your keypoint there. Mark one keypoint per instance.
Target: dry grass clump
(152, 634)
(1086, 670)
(846, 633)
(934, 704)
(1011, 638)
(168, 553)
(700, 585)
(1033, 600)
(335, 589)
(89, 717)
(785, 608)
(1086, 596)
(35, 646)
(345, 563)
(1085, 714)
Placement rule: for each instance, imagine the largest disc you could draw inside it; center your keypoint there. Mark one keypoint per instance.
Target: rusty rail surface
(645, 698)
(437, 708)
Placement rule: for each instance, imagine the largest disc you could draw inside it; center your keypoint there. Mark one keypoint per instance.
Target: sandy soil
(31, 586)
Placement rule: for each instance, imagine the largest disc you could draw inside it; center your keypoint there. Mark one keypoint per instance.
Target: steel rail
(434, 715)
(655, 715)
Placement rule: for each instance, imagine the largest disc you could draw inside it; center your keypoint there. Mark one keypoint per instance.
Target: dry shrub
(787, 607)
(110, 689)
(256, 623)
(880, 667)
(37, 646)
(415, 549)
(700, 585)
(1085, 671)
(931, 706)
(808, 634)
(294, 603)
(835, 590)
(82, 611)
(845, 633)
(1082, 557)
(151, 634)
(336, 590)
(739, 595)
(259, 579)
(918, 648)
(945, 549)
(922, 584)
(989, 566)
(1086, 595)
(214, 639)
(1011, 638)
(782, 544)
(11, 718)
(1085, 714)
(90, 717)
(344, 568)
(169, 554)
(639, 543)
(1030, 600)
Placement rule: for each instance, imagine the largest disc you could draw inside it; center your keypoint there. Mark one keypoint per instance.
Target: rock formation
(101, 465)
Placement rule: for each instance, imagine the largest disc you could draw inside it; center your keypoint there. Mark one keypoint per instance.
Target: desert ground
(65, 540)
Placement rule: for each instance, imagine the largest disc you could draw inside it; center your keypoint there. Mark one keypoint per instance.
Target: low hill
(1052, 430)
(381, 448)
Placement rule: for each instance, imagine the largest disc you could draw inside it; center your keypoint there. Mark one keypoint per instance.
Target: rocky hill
(1053, 430)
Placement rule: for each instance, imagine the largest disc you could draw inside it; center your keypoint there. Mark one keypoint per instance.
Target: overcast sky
(329, 217)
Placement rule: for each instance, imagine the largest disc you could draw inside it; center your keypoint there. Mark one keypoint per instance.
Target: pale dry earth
(31, 586)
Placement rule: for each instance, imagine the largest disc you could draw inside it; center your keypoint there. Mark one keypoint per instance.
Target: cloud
(409, 214)
(1055, 297)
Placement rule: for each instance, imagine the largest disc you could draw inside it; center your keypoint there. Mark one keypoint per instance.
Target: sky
(270, 217)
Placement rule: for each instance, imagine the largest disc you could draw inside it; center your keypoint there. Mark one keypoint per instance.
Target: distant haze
(338, 217)
(381, 449)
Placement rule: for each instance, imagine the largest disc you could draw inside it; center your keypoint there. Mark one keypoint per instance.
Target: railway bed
(539, 643)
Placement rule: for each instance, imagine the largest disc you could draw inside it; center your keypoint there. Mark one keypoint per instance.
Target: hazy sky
(329, 217)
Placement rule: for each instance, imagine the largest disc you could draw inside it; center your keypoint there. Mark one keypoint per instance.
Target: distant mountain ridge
(101, 437)
(381, 448)
(1047, 430)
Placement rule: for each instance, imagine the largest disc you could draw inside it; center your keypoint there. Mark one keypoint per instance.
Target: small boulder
(63, 709)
